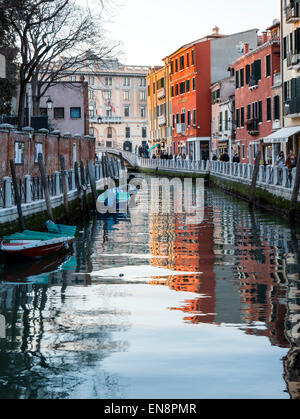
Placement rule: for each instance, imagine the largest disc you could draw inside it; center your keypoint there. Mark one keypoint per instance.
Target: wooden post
(92, 181)
(295, 194)
(17, 195)
(254, 178)
(83, 184)
(103, 167)
(122, 161)
(78, 186)
(64, 185)
(45, 186)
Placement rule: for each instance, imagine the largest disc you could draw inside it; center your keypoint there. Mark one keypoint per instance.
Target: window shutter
(248, 71)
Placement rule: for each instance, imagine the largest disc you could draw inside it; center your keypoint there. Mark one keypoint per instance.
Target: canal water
(156, 304)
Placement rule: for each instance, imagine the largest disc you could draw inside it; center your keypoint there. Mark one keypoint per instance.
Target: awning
(282, 135)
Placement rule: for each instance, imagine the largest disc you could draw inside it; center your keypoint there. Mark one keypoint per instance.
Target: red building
(194, 67)
(256, 106)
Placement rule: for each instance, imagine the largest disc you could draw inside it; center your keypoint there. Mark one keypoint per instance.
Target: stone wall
(52, 146)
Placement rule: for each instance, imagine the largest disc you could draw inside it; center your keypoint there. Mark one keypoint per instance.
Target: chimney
(265, 37)
(216, 30)
(246, 48)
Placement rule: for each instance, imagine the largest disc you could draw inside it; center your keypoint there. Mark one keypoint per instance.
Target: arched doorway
(127, 146)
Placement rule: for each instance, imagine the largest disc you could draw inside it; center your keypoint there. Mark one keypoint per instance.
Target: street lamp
(49, 103)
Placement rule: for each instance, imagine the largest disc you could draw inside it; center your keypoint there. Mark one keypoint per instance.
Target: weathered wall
(72, 148)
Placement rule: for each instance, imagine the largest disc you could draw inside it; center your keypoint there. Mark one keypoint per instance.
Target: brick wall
(18, 144)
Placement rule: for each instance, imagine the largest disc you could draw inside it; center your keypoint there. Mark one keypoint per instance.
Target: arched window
(109, 132)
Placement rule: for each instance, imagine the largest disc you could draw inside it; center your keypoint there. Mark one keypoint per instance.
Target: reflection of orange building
(189, 249)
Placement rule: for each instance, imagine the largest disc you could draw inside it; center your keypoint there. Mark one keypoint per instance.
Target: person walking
(280, 162)
(291, 163)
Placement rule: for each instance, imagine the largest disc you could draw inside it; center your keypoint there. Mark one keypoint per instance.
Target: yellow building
(159, 106)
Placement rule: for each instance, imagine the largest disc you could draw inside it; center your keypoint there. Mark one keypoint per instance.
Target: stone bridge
(130, 158)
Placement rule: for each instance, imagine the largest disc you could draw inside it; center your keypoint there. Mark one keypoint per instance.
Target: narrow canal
(152, 305)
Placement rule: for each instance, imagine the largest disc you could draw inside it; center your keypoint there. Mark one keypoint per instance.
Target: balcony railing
(252, 126)
(161, 93)
(253, 83)
(292, 108)
(276, 125)
(180, 128)
(162, 120)
(276, 79)
(292, 12)
(106, 120)
(293, 59)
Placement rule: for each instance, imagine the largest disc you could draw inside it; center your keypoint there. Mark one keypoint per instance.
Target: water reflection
(64, 324)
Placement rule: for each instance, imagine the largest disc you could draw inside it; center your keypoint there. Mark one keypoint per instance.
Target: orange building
(194, 67)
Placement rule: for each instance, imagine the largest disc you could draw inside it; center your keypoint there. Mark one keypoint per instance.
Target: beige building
(159, 106)
(117, 103)
(290, 41)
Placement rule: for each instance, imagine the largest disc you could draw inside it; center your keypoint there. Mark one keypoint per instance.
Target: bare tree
(53, 36)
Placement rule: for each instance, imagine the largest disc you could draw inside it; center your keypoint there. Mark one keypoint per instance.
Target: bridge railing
(175, 165)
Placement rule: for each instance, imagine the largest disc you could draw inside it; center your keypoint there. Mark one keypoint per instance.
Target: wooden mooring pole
(91, 172)
(64, 175)
(295, 194)
(83, 185)
(45, 186)
(17, 194)
(254, 179)
(78, 186)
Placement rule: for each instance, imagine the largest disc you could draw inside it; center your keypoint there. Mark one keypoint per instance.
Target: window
(91, 94)
(108, 81)
(176, 65)
(126, 95)
(91, 112)
(72, 78)
(127, 132)
(188, 118)
(194, 83)
(248, 73)
(268, 65)
(75, 113)
(242, 77)
(172, 91)
(220, 122)
(182, 88)
(182, 116)
(149, 90)
(284, 47)
(143, 111)
(194, 117)
(172, 69)
(269, 110)
(144, 132)
(126, 111)
(153, 88)
(59, 113)
(242, 117)
(248, 112)
(109, 132)
(177, 118)
(182, 62)
(276, 107)
(238, 121)
(143, 82)
(38, 149)
(188, 59)
(92, 131)
(91, 80)
(237, 80)
(108, 94)
(108, 113)
(176, 90)
(126, 81)
(193, 57)
(243, 152)
(19, 152)
(142, 95)
(260, 116)
(188, 88)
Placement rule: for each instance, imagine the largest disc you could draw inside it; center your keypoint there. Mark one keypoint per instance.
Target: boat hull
(36, 251)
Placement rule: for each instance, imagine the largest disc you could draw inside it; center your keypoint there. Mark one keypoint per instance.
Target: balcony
(162, 120)
(106, 120)
(276, 125)
(292, 108)
(293, 60)
(292, 12)
(252, 126)
(253, 83)
(180, 128)
(161, 93)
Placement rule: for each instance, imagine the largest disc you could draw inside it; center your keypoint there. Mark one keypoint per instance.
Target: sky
(151, 30)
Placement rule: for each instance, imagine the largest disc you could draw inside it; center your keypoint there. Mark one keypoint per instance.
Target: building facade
(257, 109)
(160, 107)
(68, 112)
(194, 68)
(290, 18)
(117, 103)
(222, 126)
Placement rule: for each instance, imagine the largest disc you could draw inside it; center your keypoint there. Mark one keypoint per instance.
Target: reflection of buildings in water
(189, 248)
